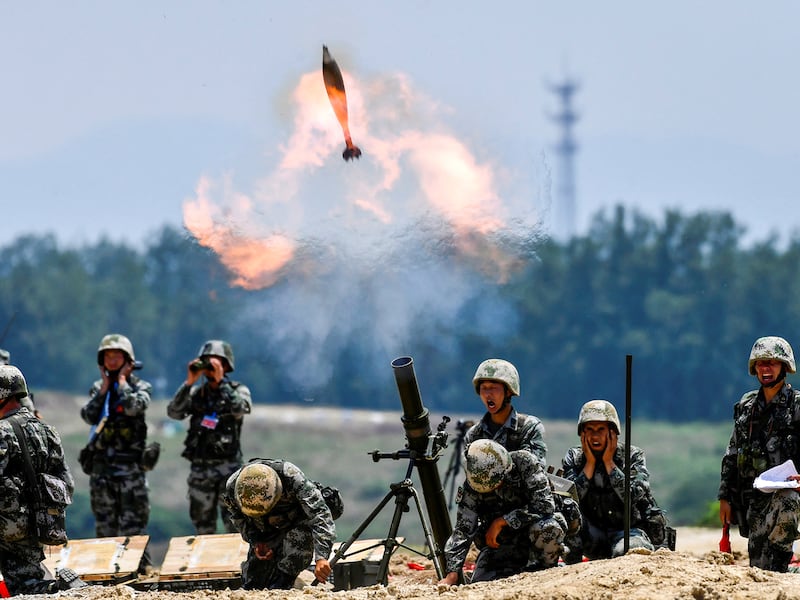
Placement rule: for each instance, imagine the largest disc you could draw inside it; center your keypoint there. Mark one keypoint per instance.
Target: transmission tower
(566, 149)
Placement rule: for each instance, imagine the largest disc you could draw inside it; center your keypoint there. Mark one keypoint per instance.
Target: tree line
(681, 294)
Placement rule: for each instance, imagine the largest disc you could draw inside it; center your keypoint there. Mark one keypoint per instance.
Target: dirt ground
(696, 570)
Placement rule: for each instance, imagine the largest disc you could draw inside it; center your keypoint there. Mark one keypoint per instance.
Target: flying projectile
(334, 85)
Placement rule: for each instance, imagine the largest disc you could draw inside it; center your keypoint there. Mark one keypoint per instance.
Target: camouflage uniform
(213, 445)
(118, 488)
(20, 552)
(519, 432)
(533, 538)
(602, 504)
(526, 432)
(299, 528)
(764, 435)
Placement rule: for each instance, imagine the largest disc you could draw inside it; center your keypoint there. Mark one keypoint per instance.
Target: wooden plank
(99, 559)
(204, 557)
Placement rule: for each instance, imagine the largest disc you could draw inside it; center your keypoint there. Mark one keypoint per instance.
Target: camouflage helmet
(497, 369)
(5, 357)
(487, 464)
(220, 349)
(12, 383)
(115, 341)
(258, 488)
(598, 410)
(772, 348)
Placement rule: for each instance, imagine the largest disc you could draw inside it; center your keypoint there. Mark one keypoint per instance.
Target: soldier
(497, 381)
(596, 468)
(284, 518)
(766, 433)
(21, 553)
(216, 408)
(506, 506)
(116, 412)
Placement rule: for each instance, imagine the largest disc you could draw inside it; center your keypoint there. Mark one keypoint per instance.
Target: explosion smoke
(417, 233)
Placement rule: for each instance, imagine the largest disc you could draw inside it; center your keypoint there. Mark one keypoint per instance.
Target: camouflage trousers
(773, 521)
(120, 503)
(21, 566)
(531, 548)
(206, 484)
(293, 552)
(603, 543)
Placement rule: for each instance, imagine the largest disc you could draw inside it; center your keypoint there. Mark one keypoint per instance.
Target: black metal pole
(417, 426)
(628, 368)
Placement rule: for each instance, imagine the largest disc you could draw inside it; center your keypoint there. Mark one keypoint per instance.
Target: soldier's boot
(779, 560)
(281, 581)
(68, 579)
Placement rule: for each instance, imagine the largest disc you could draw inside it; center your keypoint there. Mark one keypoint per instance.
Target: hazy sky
(113, 113)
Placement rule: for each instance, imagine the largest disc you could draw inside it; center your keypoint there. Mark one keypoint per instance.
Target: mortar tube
(417, 426)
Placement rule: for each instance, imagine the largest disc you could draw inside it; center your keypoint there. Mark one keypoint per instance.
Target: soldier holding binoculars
(216, 407)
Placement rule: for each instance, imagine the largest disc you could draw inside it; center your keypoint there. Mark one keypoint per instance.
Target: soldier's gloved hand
(494, 531)
(263, 551)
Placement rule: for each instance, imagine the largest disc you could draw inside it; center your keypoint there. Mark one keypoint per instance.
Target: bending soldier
(21, 552)
(506, 506)
(766, 433)
(216, 407)
(116, 412)
(596, 468)
(284, 517)
(497, 381)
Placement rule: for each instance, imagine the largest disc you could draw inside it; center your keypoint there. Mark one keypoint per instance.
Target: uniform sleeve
(457, 545)
(92, 410)
(56, 463)
(323, 529)
(135, 396)
(728, 470)
(573, 464)
(180, 406)
(540, 498)
(533, 439)
(640, 478)
(472, 434)
(236, 398)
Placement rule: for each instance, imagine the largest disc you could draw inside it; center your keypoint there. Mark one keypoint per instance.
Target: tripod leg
(341, 552)
(436, 552)
(390, 543)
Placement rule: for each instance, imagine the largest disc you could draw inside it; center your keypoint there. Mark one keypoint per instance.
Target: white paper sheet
(774, 479)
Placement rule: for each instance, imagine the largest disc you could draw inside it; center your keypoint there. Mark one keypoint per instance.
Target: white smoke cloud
(371, 250)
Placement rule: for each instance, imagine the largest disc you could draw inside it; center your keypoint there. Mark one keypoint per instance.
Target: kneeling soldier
(506, 506)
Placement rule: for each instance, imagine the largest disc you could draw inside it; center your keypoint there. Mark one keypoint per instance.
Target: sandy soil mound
(695, 571)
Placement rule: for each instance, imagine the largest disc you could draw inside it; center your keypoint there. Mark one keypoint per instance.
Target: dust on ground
(697, 570)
